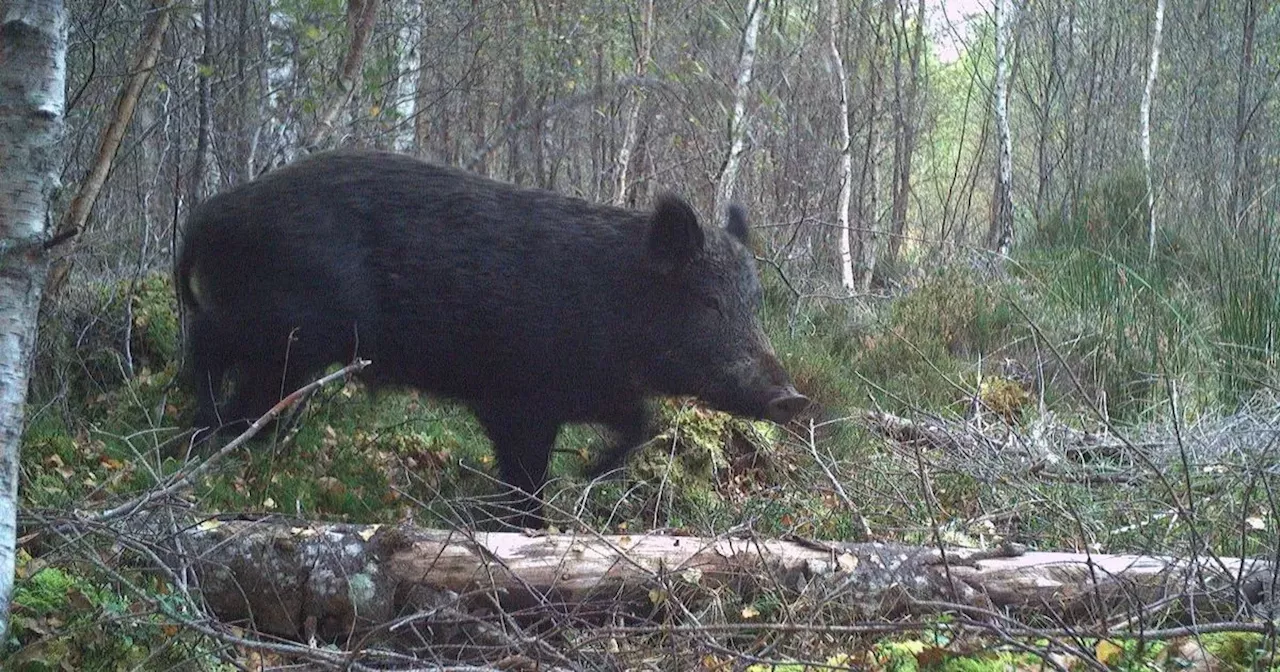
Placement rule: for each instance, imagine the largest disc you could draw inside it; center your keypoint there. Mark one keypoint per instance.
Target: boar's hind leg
(259, 387)
(208, 359)
(633, 424)
(522, 445)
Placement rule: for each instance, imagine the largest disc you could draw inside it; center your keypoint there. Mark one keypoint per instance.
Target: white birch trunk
(407, 75)
(1002, 224)
(846, 149)
(737, 120)
(632, 129)
(33, 48)
(1156, 32)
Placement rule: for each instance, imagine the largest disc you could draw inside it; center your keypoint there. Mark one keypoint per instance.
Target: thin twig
(185, 477)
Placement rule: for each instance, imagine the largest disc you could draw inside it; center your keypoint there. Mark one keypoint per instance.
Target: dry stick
(1161, 479)
(184, 478)
(144, 63)
(844, 497)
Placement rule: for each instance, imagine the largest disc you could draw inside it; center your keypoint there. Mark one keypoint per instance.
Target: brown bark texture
(329, 581)
(77, 215)
(360, 16)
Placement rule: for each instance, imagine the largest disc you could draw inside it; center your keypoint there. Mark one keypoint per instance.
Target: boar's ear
(674, 233)
(737, 224)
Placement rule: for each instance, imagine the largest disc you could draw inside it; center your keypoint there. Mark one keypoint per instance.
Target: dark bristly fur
(533, 308)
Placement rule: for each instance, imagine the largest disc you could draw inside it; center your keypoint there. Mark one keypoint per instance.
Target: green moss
(63, 619)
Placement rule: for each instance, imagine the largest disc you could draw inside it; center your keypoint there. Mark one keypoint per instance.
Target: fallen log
(328, 581)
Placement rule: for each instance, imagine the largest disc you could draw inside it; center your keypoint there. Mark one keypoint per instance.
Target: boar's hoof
(785, 406)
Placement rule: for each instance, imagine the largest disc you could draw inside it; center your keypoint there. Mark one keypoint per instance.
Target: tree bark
(846, 147)
(407, 77)
(631, 131)
(204, 132)
(738, 118)
(1001, 232)
(869, 191)
(905, 139)
(1157, 31)
(1241, 178)
(360, 18)
(297, 580)
(33, 48)
(77, 215)
(421, 91)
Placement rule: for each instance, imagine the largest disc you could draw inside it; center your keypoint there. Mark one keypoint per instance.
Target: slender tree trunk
(1241, 180)
(905, 140)
(635, 100)
(360, 17)
(1001, 232)
(738, 118)
(407, 77)
(1156, 32)
(204, 133)
(77, 215)
(33, 49)
(1048, 98)
(865, 257)
(846, 146)
(421, 90)
(246, 98)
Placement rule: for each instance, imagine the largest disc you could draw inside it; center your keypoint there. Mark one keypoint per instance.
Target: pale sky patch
(948, 24)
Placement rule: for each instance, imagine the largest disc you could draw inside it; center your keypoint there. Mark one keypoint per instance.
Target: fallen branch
(1053, 441)
(298, 580)
(184, 478)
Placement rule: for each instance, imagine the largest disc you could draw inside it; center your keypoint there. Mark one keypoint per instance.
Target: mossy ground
(1077, 327)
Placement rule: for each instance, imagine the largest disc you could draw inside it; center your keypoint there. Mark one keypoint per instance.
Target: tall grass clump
(1245, 282)
(1125, 324)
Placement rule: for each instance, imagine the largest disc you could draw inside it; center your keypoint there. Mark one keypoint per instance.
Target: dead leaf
(1107, 652)
(931, 656)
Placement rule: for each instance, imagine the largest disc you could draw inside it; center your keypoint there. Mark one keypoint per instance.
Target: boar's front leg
(632, 422)
(522, 444)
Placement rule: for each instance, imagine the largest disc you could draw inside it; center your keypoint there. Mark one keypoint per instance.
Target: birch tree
(1156, 31)
(738, 117)
(202, 164)
(865, 255)
(1001, 232)
(846, 146)
(631, 131)
(33, 48)
(410, 53)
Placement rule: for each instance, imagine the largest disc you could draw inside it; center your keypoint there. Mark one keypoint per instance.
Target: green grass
(1082, 307)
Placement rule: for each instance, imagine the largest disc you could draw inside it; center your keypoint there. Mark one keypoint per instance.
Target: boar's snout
(786, 405)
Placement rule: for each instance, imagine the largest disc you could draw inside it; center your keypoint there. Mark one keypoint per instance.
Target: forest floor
(1158, 376)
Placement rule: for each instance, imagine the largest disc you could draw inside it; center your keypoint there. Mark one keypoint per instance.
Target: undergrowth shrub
(1246, 296)
(1199, 315)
